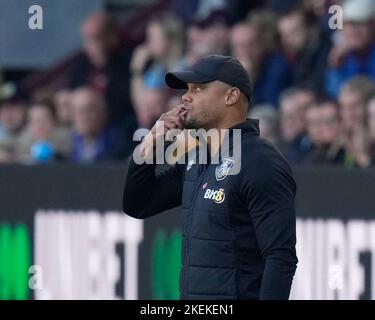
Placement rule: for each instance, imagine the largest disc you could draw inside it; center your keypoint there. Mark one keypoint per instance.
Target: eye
(198, 88)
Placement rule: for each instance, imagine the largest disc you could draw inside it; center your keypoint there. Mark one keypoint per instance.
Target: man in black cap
(238, 229)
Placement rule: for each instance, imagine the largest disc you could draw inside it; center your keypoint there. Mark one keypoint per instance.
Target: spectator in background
(236, 9)
(268, 122)
(323, 128)
(354, 97)
(244, 45)
(7, 151)
(254, 43)
(320, 9)
(280, 7)
(305, 46)
(7, 90)
(12, 119)
(209, 35)
(42, 140)
(104, 66)
(60, 101)
(94, 138)
(371, 127)
(358, 149)
(12, 116)
(354, 52)
(63, 105)
(190, 9)
(153, 104)
(295, 142)
(161, 51)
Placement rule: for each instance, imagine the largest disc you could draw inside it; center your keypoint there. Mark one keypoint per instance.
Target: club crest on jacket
(222, 170)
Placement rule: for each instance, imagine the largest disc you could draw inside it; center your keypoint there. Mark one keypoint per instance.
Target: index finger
(176, 110)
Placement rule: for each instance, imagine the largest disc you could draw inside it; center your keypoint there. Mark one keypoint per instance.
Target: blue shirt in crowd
(108, 145)
(351, 66)
(275, 76)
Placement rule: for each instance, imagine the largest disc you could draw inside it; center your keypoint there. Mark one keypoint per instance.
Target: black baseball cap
(210, 68)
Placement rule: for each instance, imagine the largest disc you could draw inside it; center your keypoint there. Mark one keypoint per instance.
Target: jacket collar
(249, 125)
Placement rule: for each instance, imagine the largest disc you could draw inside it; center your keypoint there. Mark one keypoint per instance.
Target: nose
(187, 97)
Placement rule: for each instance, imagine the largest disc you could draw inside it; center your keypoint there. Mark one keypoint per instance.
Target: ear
(232, 96)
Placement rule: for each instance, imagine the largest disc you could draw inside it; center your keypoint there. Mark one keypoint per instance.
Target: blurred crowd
(314, 85)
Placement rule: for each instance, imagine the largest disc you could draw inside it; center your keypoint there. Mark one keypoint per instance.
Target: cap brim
(179, 80)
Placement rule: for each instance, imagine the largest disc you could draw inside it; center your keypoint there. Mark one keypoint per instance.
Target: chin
(192, 123)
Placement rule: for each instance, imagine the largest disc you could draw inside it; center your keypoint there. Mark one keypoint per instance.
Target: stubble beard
(198, 121)
(192, 123)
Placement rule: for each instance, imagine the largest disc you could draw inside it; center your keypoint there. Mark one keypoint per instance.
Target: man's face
(12, 116)
(154, 101)
(352, 109)
(207, 102)
(194, 37)
(371, 118)
(215, 32)
(245, 44)
(156, 41)
(292, 118)
(358, 35)
(88, 114)
(97, 43)
(40, 122)
(63, 104)
(293, 32)
(322, 124)
(204, 41)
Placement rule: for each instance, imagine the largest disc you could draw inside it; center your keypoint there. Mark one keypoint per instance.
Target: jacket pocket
(212, 281)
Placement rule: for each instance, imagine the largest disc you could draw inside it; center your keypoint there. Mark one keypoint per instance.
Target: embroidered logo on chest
(222, 170)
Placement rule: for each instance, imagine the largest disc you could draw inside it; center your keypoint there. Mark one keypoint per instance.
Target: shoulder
(262, 162)
(256, 148)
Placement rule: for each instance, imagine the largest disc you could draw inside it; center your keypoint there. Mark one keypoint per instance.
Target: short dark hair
(362, 85)
(322, 102)
(246, 101)
(309, 19)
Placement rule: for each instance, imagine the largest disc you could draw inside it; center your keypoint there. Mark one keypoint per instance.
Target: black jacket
(238, 230)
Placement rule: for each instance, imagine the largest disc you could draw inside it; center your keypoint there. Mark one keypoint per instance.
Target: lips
(184, 113)
(186, 106)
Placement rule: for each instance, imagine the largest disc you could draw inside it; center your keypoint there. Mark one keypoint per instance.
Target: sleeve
(147, 193)
(270, 189)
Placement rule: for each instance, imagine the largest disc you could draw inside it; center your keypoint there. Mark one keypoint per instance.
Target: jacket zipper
(188, 233)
